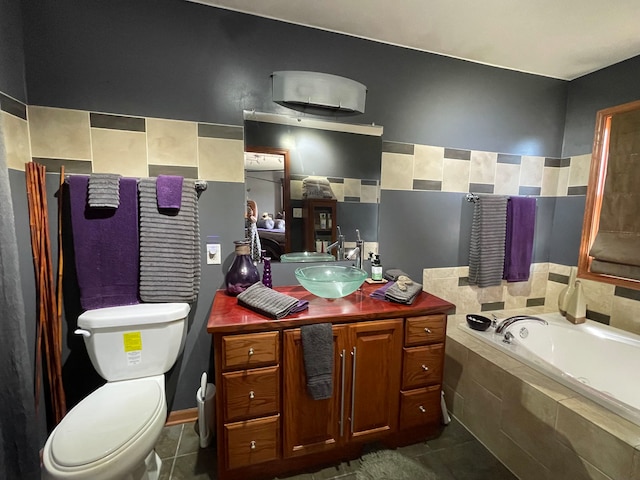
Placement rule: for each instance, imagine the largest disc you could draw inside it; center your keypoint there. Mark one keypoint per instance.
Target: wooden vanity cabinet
(387, 378)
(366, 378)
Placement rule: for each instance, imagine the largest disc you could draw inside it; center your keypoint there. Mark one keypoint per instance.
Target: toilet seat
(104, 428)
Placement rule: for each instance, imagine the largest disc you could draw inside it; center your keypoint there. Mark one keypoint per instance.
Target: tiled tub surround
(537, 427)
(615, 306)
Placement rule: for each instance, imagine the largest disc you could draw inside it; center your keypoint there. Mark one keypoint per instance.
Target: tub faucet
(338, 245)
(511, 320)
(356, 253)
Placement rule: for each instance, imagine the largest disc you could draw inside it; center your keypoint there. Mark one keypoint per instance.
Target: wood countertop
(228, 317)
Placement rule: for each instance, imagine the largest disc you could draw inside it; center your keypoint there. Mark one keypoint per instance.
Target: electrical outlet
(214, 254)
(297, 213)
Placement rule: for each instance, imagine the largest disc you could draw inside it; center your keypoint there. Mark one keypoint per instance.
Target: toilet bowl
(112, 432)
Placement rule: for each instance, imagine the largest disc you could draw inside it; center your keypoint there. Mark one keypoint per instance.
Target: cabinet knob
(250, 351)
(252, 445)
(252, 395)
(427, 330)
(422, 409)
(425, 368)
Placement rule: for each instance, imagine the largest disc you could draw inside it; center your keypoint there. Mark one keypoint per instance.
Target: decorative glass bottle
(243, 273)
(577, 305)
(266, 270)
(566, 292)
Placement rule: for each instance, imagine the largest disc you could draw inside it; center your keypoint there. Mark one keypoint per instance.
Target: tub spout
(511, 320)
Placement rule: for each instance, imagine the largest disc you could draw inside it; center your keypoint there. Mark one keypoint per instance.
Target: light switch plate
(297, 213)
(214, 254)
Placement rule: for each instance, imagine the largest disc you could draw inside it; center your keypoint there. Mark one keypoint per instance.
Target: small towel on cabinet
(104, 190)
(169, 191)
(105, 243)
(269, 302)
(317, 350)
(486, 252)
(404, 290)
(518, 248)
(169, 246)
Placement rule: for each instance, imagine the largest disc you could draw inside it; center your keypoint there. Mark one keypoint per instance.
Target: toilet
(111, 434)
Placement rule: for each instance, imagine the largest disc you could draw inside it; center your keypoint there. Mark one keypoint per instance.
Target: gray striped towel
(169, 246)
(266, 301)
(486, 252)
(104, 190)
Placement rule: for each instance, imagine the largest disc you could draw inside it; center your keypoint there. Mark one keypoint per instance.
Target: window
(610, 245)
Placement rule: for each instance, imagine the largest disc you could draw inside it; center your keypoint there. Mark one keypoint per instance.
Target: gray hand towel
(266, 301)
(395, 293)
(317, 349)
(393, 274)
(104, 190)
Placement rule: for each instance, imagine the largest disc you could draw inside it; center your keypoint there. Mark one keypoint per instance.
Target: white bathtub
(597, 361)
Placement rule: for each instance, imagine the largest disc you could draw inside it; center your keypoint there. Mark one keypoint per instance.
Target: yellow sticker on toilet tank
(132, 341)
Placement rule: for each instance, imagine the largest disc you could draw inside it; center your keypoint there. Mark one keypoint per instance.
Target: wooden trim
(182, 416)
(286, 201)
(595, 189)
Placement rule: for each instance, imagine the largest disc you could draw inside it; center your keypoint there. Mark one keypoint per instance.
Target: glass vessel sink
(306, 257)
(330, 281)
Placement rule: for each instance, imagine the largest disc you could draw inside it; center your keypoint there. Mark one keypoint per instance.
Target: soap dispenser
(577, 305)
(376, 269)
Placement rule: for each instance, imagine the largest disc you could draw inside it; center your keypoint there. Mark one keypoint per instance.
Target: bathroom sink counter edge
(227, 316)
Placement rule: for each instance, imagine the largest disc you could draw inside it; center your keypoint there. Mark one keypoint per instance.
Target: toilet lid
(105, 420)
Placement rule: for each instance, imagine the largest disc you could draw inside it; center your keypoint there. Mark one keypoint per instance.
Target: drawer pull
(252, 395)
(250, 351)
(422, 409)
(425, 368)
(252, 445)
(427, 330)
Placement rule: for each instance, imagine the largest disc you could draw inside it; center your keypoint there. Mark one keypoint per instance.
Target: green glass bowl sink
(297, 257)
(330, 281)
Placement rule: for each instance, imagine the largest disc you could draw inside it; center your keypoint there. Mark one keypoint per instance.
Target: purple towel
(518, 250)
(380, 293)
(169, 191)
(106, 246)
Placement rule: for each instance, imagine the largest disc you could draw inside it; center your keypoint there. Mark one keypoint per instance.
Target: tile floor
(454, 455)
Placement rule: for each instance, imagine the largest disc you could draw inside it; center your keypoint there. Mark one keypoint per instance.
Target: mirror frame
(286, 201)
(595, 191)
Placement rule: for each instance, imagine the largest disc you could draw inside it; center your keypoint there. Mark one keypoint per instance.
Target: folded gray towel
(266, 301)
(104, 190)
(317, 350)
(403, 291)
(393, 274)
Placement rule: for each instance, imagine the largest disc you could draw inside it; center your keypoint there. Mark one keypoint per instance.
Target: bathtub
(595, 360)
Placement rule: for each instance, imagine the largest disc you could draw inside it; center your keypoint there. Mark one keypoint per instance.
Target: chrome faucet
(338, 244)
(511, 320)
(356, 253)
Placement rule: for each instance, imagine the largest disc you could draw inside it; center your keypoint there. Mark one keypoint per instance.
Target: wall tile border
(13, 107)
(117, 122)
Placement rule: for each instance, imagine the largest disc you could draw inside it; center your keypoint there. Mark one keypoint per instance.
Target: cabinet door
(375, 377)
(312, 425)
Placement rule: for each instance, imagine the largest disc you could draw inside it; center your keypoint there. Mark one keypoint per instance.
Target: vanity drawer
(251, 393)
(250, 350)
(252, 441)
(422, 366)
(424, 330)
(420, 407)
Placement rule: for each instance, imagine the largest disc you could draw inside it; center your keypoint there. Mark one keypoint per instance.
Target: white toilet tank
(134, 341)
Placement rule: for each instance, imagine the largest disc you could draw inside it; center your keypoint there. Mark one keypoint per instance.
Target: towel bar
(201, 185)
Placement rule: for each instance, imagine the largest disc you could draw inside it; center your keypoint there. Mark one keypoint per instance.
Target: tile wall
(88, 142)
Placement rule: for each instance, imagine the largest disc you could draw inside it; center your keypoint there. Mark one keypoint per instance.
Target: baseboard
(182, 416)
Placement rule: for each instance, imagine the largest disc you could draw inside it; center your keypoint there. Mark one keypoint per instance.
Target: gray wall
(177, 59)
(586, 95)
(12, 81)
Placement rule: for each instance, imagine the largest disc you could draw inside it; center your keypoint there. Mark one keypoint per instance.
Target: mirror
(348, 156)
